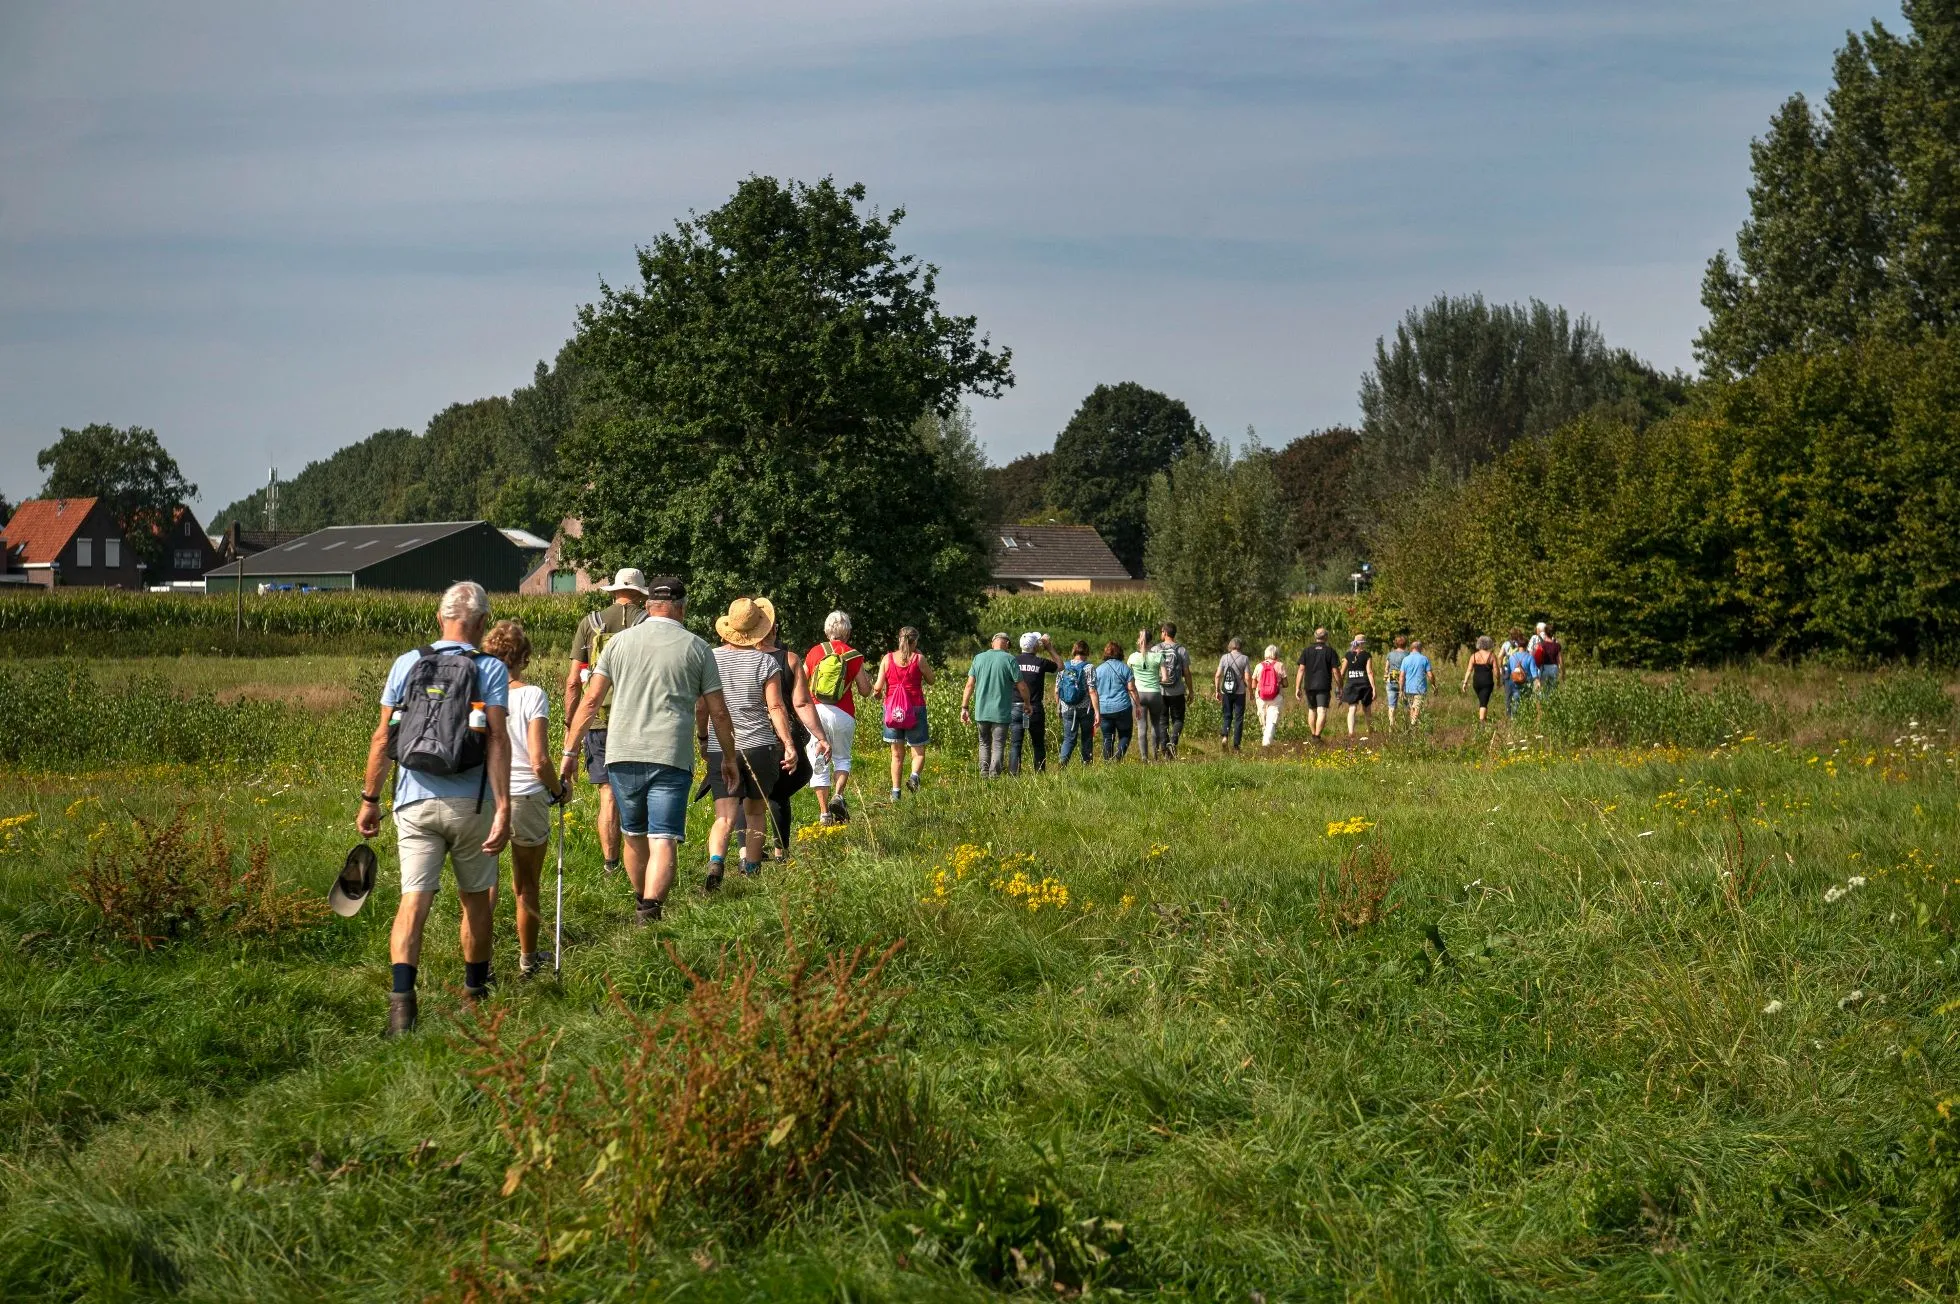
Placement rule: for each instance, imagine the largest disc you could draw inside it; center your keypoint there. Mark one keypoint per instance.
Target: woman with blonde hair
(534, 788)
(901, 685)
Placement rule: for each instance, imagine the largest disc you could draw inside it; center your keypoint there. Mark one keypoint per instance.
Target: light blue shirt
(1521, 660)
(493, 689)
(1113, 686)
(1415, 673)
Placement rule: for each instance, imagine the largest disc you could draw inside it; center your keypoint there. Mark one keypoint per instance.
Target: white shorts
(839, 730)
(426, 831)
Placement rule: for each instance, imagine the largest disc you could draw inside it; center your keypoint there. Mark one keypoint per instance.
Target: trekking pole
(558, 906)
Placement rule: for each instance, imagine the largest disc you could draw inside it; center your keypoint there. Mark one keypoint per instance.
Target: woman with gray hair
(837, 675)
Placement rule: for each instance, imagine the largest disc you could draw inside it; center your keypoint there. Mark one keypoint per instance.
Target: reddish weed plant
(1352, 897)
(739, 1095)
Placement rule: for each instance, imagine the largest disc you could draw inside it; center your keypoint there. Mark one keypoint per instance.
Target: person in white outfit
(837, 677)
(1268, 691)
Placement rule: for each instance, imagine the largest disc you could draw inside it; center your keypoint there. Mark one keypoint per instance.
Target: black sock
(404, 978)
(476, 973)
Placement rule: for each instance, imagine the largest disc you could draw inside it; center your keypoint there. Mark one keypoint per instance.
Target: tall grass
(1613, 707)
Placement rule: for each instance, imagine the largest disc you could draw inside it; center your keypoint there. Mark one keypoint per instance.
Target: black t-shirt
(1357, 667)
(1035, 669)
(1320, 661)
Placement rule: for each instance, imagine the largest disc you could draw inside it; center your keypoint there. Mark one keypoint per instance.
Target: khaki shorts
(435, 827)
(530, 819)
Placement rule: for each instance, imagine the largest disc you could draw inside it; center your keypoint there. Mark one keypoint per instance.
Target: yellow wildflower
(1344, 828)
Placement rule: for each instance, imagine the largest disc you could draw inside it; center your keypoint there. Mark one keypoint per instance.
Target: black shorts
(1483, 694)
(1318, 698)
(1361, 694)
(595, 756)
(759, 768)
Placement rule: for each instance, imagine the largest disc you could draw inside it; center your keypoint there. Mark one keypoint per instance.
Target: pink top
(904, 682)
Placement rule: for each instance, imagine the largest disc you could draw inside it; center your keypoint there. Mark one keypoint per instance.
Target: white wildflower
(1832, 893)
(1856, 880)
(1774, 1007)
(1851, 998)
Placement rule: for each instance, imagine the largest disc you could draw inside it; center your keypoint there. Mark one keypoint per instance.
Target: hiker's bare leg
(405, 939)
(478, 926)
(608, 824)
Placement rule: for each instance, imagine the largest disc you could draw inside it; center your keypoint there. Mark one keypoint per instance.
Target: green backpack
(828, 684)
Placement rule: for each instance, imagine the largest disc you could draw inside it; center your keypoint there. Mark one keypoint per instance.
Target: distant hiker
(902, 679)
(443, 722)
(1482, 674)
(1075, 695)
(1518, 671)
(1538, 634)
(1393, 665)
(1358, 684)
(1547, 656)
(1228, 684)
(656, 674)
(629, 594)
(805, 727)
(1030, 719)
(993, 689)
(758, 713)
(1145, 663)
(1116, 703)
(1269, 693)
(1313, 683)
(837, 677)
(534, 788)
(1174, 680)
(1416, 670)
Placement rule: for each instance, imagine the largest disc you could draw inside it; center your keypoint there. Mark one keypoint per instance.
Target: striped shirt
(745, 675)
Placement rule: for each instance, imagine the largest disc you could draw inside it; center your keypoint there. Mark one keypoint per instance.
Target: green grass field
(1646, 997)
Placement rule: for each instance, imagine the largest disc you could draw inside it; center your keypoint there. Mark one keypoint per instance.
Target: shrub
(1027, 1236)
(1351, 897)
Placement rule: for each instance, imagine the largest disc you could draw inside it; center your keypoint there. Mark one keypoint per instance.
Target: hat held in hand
(351, 890)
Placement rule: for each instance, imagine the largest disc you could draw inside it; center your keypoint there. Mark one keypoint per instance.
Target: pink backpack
(901, 703)
(1270, 680)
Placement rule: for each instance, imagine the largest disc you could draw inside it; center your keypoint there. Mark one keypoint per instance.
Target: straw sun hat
(748, 621)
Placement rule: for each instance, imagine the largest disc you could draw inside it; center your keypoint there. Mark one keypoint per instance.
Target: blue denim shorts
(652, 798)
(917, 736)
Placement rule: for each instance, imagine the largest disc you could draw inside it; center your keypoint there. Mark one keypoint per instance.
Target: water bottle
(479, 719)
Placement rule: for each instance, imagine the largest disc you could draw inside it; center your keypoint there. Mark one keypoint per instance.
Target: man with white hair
(837, 675)
(1030, 718)
(442, 723)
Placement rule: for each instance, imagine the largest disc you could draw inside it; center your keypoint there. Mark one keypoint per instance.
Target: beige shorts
(435, 827)
(530, 819)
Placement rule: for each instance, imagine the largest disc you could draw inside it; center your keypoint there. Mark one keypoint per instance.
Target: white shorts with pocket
(840, 731)
(428, 830)
(530, 819)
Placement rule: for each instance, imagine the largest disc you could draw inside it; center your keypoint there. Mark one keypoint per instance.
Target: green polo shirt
(658, 671)
(994, 674)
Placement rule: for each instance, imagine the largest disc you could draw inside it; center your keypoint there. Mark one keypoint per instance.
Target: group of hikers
(466, 735)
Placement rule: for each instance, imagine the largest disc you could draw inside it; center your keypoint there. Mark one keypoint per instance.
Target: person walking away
(837, 678)
(1075, 697)
(1116, 702)
(1030, 720)
(1393, 663)
(902, 679)
(1313, 683)
(629, 595)
(1548, 657)
(657, 675)
(444, 712)
(993, 687)
(1228, 690)
(1358, 684)
(1482, 674)
(1145, 664)
(534, 788)
(1174, 679)
(805, 727)
(1518, 670)
(1269, 690)
(1416, 669)
(752, 688)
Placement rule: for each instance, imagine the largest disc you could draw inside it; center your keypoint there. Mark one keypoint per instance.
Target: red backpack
(1270, 680)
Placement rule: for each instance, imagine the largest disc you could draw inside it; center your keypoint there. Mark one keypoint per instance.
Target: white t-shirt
(526, 704)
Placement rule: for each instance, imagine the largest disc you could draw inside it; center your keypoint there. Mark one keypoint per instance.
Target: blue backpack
(1072, 683)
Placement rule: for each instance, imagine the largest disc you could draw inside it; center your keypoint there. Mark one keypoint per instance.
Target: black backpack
(434, 734)
(1171, 673)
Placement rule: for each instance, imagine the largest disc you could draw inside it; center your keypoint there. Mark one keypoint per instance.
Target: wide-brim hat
(355, 884)
(629, 580)
(748, 621)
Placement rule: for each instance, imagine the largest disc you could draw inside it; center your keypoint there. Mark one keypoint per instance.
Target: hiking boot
(912, 783)
(476, 995)
(648, 913)
(894, 796)
(750, 868)
(530, 966)
(401, 1013)
(612, 867)
(839, 813)
(712, 883)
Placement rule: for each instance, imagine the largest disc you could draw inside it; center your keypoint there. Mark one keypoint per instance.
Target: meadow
(1645, 995)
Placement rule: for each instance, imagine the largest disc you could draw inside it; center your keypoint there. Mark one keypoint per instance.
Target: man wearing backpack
(1075, 694)
(443, 723)
(837, 676)
(1228, 690)
(629, 593)
(1173, 678)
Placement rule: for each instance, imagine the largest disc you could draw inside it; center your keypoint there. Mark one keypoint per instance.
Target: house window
(112, 552)
(84, 552)
(187, 559)
(1007, 541)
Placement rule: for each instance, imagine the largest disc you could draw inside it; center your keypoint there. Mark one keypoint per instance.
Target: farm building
(552, 573)
(1056, 559)
(426, 557)
(66, 543)
(187, 550)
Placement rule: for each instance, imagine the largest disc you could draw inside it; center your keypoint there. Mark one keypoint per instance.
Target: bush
(1603, 707)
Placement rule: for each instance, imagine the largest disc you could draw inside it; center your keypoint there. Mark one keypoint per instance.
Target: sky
(268, 230)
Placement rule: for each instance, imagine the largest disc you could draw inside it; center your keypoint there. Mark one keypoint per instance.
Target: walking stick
(558, 906)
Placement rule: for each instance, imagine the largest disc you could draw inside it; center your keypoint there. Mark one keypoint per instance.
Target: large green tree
(1464, 379)
(128, 469)
(1018, 492)
(1106, 456)
(1321, 525)
(1217, 547)
(1854, 213)
(759, 424)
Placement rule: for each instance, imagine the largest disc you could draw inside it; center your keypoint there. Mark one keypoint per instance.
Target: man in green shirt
(993, 685)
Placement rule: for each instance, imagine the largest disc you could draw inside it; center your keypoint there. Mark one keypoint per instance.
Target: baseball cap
(667, 588)
(351, 889)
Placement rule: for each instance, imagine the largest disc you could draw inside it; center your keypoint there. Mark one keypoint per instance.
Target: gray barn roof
(343, 549)
(1053, 552)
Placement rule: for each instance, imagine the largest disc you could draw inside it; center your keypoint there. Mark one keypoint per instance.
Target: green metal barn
(422, 557)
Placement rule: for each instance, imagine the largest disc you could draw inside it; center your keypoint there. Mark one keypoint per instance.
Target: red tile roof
(41, 527)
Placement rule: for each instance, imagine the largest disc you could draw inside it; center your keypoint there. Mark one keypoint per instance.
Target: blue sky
(268, 230)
